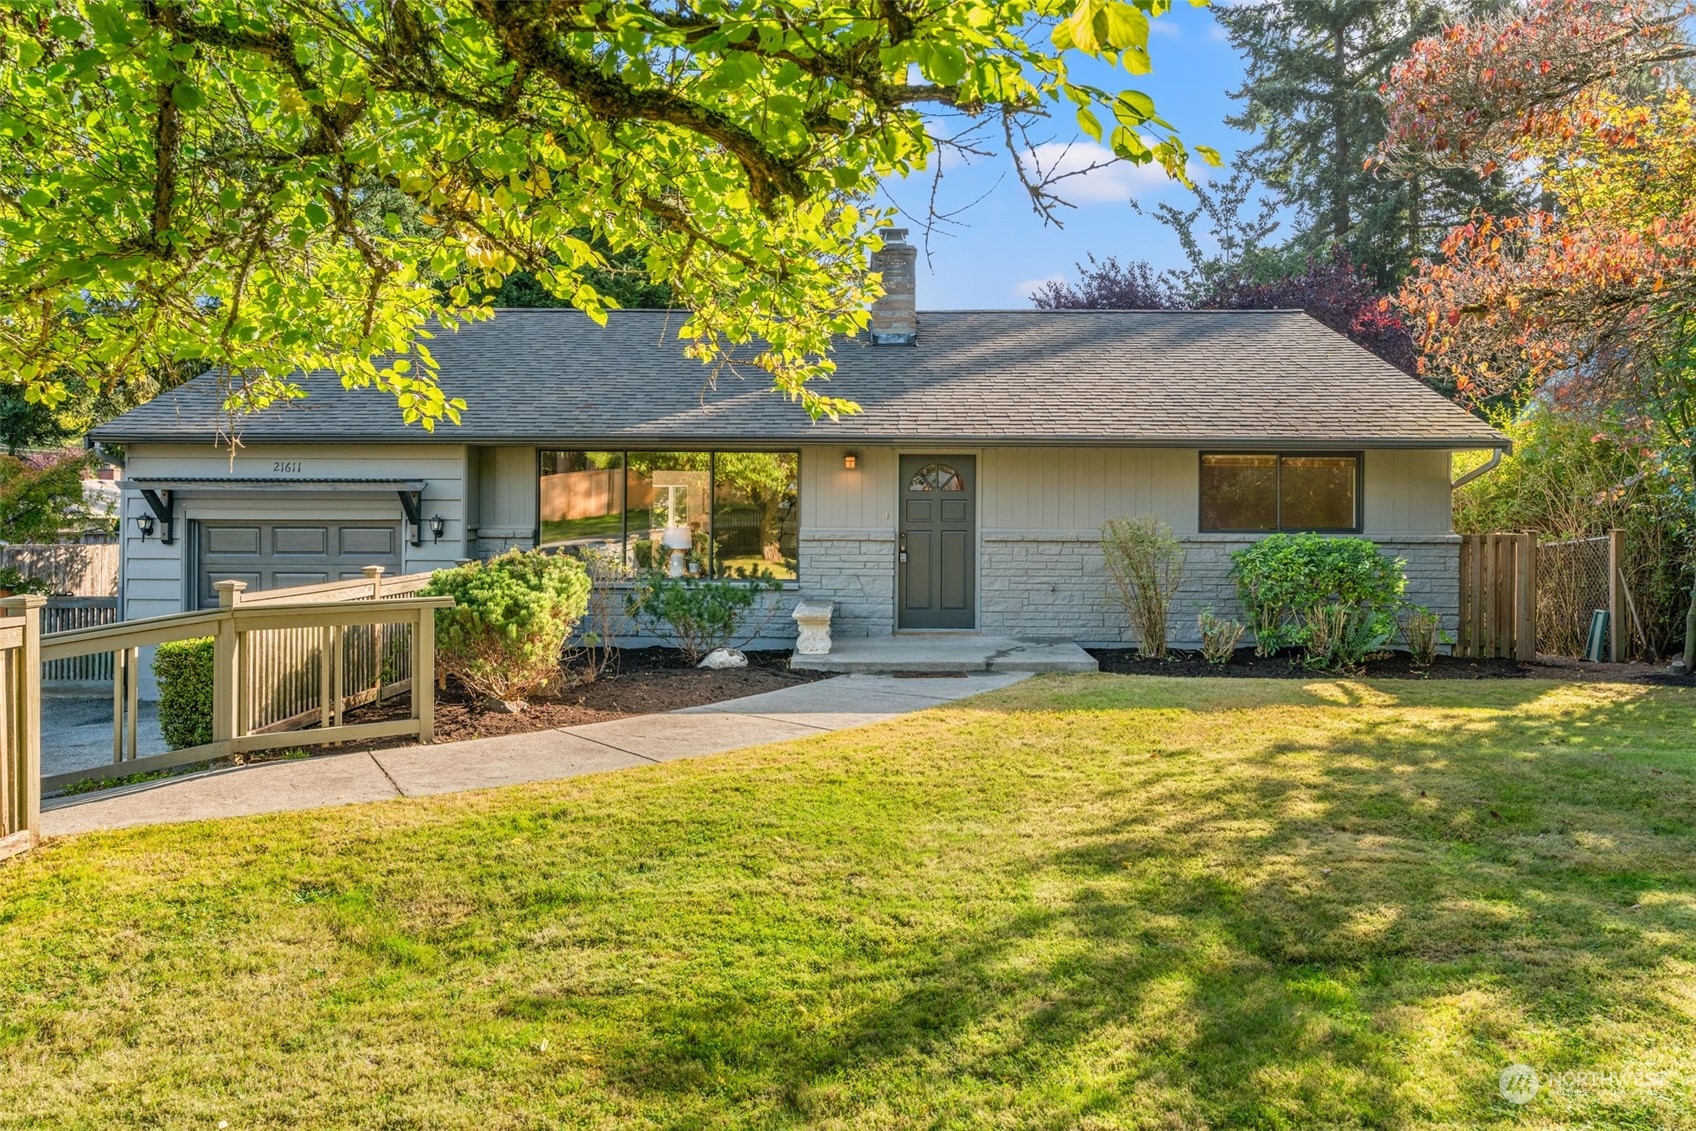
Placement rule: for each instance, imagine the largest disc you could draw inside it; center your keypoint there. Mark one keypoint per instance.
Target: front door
(938, 532)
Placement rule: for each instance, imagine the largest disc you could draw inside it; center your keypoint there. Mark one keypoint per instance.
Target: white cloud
(1167, 28)
(1113, 183)
(1023, 291)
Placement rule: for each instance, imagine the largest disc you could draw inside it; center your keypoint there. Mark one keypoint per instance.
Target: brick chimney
(895, 320)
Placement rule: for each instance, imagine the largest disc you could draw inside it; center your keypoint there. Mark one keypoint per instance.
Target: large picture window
(1250, 493)
(737, 512)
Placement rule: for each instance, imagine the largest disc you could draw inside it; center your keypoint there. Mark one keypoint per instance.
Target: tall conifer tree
(1313, 70)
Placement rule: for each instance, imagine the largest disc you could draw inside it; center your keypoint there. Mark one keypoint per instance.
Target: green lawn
(1083, 902)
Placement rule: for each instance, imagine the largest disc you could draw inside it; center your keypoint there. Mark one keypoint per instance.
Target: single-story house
(967, 495)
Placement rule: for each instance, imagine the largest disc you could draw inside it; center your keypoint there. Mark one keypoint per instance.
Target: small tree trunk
(1690, 613)
(1690, 631)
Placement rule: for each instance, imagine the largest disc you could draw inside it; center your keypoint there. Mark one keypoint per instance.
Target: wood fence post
(326, 665)
(379, 638)
(1525, 599)
(1463, 637)
(1616, 596)
(227, 664)
(28, 707)
(423, 667)
(120, 692)
(1488, 624)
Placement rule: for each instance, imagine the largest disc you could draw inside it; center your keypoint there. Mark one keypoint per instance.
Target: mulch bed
(642, 681)
(1393, 665)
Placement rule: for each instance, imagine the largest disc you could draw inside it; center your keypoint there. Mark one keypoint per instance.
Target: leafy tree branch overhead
(259, 187)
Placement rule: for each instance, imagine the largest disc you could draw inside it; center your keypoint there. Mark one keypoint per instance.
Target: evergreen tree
(1311, 92)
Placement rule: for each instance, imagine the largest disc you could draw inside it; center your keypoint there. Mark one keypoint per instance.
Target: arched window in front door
(936, 477)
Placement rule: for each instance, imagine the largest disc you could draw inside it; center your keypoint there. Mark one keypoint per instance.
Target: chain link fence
(1572, 583)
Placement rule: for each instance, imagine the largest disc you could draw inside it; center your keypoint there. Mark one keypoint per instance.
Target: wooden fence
(283, 660)
(64, 614)
(20, 724)
(1498, 597)
(72, 569)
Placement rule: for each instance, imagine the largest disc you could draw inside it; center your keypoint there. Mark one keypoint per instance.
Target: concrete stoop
(947, 653)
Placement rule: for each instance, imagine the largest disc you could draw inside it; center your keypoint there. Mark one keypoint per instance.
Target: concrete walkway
(416, 771)
(947, 652)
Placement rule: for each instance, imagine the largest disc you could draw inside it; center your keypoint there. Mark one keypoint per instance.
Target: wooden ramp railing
(20, 724)
(283, 661)
(1498, 597)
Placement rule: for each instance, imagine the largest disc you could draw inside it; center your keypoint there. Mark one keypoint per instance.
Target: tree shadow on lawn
(1117, 900)
(1359, 926)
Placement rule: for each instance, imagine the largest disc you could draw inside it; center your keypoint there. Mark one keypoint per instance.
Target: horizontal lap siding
(158, 579)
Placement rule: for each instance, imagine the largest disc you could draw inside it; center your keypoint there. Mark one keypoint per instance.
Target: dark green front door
(938, 535)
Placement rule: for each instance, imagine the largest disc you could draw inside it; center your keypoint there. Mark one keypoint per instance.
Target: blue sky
(1003, 248)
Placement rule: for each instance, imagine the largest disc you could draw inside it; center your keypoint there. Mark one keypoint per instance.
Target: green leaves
(1099, 26)
(334, 185)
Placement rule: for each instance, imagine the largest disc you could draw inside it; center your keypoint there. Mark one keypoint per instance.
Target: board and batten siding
(158, 579)
(848, 535)
(502, 513)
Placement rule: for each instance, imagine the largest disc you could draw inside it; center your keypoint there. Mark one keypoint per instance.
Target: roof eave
(1472, 442)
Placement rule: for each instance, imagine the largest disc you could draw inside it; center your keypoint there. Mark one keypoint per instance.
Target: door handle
(903, 556)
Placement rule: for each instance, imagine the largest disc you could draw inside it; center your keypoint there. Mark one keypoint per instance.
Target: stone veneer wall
(1054, 584)
(492, 541)
(770, 617)
(856, 569)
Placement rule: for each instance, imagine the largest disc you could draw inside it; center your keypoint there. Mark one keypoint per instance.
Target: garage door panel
(313, 540)
(284, 554)
(232, 540)
(282, 580)
(368, 540)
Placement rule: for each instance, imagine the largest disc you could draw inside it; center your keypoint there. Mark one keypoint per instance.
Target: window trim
(1359, 457)
(712, 455)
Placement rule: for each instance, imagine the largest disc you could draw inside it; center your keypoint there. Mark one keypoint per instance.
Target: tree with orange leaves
(1591, 296)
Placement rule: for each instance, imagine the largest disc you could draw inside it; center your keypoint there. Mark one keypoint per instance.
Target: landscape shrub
(1282, 578)
(696, 615)
(183, 669)
(1339, 638)
(1422, 630)
(599, 630)
(1219, 637)
(1146, 562)
(511, 618)
(13, 583)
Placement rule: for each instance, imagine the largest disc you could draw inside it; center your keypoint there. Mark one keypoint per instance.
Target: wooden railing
(368, 663)
(20, 724)
(1498, 597)
(283, 660)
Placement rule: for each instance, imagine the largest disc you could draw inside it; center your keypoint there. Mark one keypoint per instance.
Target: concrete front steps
(947, 652)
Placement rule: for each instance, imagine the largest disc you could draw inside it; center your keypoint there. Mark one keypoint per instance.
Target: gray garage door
(273, 555)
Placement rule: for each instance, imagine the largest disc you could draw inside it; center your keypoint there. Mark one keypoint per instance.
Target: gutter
(1478, 472)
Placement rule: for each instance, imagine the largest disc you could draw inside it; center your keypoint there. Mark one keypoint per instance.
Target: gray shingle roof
(1189, 378)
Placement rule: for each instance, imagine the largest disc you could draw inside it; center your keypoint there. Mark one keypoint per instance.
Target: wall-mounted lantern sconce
(161, 507)
(437, 525)
(850, 461)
